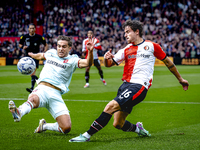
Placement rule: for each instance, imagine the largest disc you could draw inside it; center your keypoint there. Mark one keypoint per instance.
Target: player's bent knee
(34, 99)
(66, 129)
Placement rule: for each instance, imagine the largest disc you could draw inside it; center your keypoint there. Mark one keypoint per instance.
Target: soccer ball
(26, 65)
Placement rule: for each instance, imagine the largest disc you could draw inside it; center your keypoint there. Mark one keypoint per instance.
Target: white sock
(52, 127)
(87, 84)
(86, 135)
(137, 130)
(25, 108)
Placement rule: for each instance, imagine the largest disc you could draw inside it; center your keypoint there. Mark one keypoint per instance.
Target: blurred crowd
(174, 24)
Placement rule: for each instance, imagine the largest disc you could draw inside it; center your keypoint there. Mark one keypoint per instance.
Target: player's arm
(38, 56)
(83, 54)
(98, 45)
(22, 39)
(171, 66)
(20, 45)
(108, 59)
(46, 47)
(88, 62)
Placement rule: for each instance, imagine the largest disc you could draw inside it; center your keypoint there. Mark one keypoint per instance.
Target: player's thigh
(97, 64)
(112, 107)
(57, 106)
(40, 94)
(129, 95)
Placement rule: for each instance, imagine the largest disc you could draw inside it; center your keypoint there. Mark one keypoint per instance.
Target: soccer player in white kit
(139, 56)
(54, 80)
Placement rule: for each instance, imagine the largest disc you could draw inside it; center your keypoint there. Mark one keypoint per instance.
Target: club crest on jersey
(146, 47)
(65, 61)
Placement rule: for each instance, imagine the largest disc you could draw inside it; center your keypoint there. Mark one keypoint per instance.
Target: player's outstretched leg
(40, 128)
(142, 131)
(96, 126)
(15, 111)
(43, 126)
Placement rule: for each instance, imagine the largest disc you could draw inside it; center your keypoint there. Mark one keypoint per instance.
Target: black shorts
(129, 95)
(36, 62)
(96, 62)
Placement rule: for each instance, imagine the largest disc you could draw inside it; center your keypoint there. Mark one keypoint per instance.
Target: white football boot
(15, 111)
(40, 129)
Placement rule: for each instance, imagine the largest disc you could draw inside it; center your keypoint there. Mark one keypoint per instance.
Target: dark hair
(134, 25)
(65, 38)
(31, 24)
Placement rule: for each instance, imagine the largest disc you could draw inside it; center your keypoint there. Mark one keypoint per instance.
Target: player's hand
(108, 55)
(25, 47)
(184, 84)
(30, 53)
(90, 44)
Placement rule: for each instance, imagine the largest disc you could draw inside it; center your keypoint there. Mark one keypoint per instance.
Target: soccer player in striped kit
(139, 56)
(95, 57)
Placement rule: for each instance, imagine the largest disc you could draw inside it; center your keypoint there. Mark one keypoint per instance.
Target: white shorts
(52, 100)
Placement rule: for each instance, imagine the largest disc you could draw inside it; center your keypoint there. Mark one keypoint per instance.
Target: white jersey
(58, 71)
(139, 62)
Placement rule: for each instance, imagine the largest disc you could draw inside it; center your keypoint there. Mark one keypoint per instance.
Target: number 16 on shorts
(125, 94)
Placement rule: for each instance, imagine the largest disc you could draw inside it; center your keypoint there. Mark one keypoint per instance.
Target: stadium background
(174, 24)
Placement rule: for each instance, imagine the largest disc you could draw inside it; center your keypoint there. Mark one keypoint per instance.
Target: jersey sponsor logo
(65, 61)
(146, 47)
(144, 56)
(132, 56)
(56, 64)
(138, 55)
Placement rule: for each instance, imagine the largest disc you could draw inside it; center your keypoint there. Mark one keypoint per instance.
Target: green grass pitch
(169, 113)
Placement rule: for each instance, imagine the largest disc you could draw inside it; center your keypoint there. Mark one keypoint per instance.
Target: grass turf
(169, 113)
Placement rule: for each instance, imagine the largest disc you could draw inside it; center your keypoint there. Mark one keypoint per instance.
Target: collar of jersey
(32, 35)
(67, 57)
(139, 43)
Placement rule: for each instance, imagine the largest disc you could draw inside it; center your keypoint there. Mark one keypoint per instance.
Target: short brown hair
(65, 38)
(134, 25)
(90, 31)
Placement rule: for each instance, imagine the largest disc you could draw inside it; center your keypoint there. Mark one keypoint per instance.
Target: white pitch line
(149, 102)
